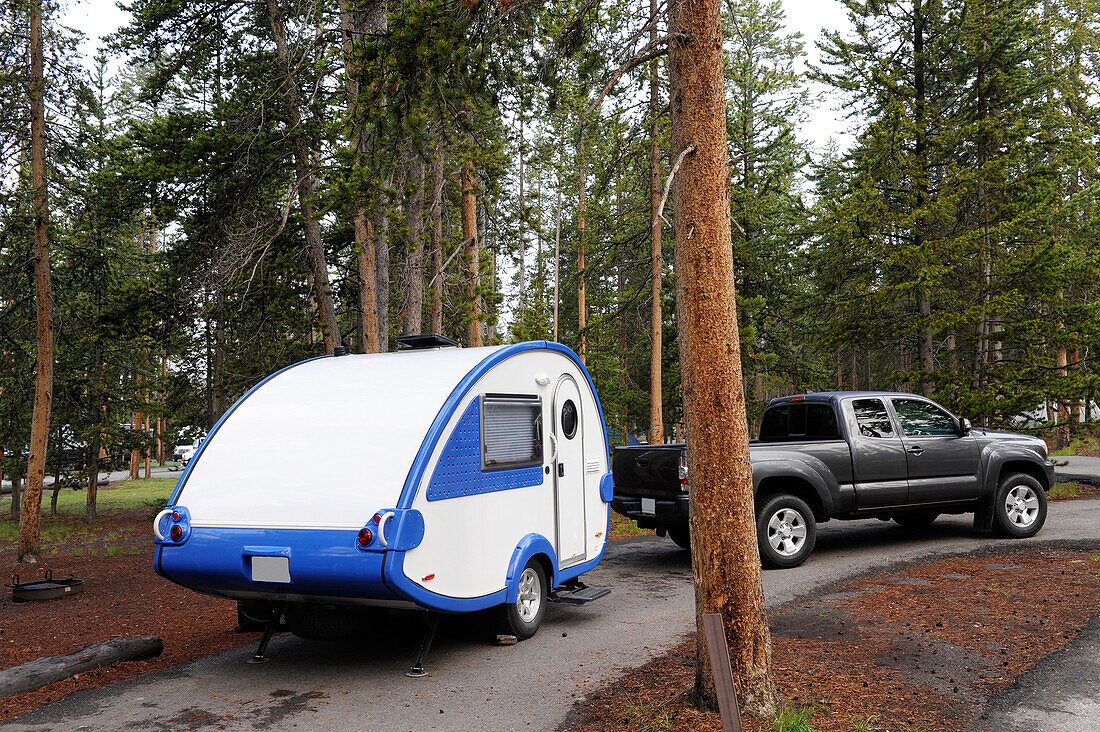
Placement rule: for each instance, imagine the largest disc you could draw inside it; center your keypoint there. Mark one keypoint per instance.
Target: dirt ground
(923, 648)
(122, 597)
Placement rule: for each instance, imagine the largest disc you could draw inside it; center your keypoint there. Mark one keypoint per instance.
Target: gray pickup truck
(852, 455)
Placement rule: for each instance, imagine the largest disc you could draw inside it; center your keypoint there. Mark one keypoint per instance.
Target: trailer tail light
(175, 515)
(365, 537)
(176, 532)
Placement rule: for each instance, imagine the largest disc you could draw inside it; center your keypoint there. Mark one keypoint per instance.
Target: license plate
(649, 506)
(270, 569)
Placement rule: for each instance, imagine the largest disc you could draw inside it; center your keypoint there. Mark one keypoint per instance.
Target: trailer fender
(530, 546)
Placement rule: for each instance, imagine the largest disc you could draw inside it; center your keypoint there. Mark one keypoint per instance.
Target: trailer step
(580, 595)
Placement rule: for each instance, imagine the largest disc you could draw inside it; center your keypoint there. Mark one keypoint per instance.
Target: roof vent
(424, 342)
(339, 351)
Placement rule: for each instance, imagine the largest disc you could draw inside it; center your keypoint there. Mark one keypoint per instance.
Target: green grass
(151, 494)
(113, 551)
(1062, 490)
(789, 718)
(1077, 446)
(648, 717)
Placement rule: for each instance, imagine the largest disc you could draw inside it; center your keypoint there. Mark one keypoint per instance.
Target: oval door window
(569, 419)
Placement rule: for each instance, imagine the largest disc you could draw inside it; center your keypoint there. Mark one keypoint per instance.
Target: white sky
(96, 18)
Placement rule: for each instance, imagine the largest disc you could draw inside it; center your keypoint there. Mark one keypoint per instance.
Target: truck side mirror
(965, 427)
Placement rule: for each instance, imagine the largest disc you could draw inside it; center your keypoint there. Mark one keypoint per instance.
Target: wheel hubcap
(530, 595)
(787, 531)
(1022, 506)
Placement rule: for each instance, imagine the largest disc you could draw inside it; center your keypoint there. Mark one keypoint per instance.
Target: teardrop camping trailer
(442, 478)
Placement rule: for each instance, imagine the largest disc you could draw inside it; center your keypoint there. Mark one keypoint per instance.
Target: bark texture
(43, 385)
(51, 669)
(436, 216)
(582, 308)
(413, 322)
(726, 563)
(470, 250)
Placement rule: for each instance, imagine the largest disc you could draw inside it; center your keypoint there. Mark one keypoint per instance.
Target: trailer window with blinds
(511, 431)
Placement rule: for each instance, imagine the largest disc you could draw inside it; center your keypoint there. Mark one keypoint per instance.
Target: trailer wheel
(523, 617)
(681, 537)
(785, 531)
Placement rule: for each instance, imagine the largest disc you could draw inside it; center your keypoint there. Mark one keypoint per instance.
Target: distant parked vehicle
(851, 455)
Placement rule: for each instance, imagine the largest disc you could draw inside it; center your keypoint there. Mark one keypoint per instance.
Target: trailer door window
(511, 431)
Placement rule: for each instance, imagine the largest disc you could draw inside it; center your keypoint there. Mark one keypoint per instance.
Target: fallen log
(51, 669)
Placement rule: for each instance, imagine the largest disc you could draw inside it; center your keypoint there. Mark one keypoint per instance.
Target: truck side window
(872, 418)
(511, 431)
(921, 419)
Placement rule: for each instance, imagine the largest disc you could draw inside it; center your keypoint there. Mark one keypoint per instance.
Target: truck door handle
(916, 450)
(561, 470)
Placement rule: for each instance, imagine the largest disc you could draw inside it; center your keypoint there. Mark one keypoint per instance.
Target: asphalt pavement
(475, 685)
(1078, 468)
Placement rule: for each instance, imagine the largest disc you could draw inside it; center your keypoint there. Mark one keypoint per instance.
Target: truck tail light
(683, 472)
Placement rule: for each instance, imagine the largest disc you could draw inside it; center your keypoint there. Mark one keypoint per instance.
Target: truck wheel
(1019, 507)
(785, 531)
(523, 617)
(918, 520)
(682, 538)
(253, 615)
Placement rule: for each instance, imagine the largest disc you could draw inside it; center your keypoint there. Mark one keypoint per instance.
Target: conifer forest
(233, 187)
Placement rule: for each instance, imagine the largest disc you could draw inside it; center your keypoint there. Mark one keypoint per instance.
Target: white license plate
(649, 506)
(270, 569)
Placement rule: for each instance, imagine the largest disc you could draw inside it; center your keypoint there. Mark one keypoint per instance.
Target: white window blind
(511, 434)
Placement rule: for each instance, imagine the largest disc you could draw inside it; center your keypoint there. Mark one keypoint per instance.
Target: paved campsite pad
(927, 645)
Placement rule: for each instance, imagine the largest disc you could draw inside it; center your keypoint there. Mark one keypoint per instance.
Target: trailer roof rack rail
(425, 341)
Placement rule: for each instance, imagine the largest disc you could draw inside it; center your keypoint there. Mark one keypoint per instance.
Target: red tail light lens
(365, 537)
(176, 533)
(175, 515)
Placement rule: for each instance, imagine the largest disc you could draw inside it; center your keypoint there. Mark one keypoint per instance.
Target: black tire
(917, 520)
(333, 622)
(253, 615)
(1019, 507)
(523, 617)
(681, 537)
(793, 531)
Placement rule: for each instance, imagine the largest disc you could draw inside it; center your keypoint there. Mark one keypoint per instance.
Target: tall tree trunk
(436, 216)
(520, 218)
(582, 309)
(557, 261)
(381, 241)
(472, 254)
(727, 572)
(373, 18)
(920, 151)
(656, 258)
(413, 322)
(308, 184)
(43, 385)
(93, 479)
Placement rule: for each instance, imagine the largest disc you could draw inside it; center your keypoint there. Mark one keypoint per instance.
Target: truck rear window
(799, 422)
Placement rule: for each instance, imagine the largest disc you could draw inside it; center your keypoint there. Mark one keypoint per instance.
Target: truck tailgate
(647, 471)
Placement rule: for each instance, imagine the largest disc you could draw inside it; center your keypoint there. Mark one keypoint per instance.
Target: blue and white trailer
(447, 479)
